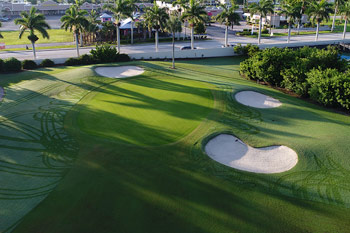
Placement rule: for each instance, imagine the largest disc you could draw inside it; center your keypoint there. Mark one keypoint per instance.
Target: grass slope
(119, 187)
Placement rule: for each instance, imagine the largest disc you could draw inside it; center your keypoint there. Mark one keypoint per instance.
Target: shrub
(264, 31)
(122, 58)
(199, 28)
(1, 65)
(86, 59)
(104, 53)
(248, 50)
(47, 63)
(29, 65)
(330, 87)
(12, 65)
(72, 62)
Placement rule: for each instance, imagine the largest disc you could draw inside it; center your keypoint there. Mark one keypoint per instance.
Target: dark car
(187, 48)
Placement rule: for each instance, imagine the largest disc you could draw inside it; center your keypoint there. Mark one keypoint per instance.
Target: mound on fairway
(257, 100)
(119, 71)
(146, 111)
(231, 151)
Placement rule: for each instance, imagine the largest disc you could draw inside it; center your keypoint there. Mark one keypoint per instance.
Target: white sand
(2, 93)
(119, 71)
(231, 151)
(257, 100)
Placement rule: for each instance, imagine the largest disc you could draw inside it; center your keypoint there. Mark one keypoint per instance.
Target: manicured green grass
(56, 36)
(159, 110)
(119, 183)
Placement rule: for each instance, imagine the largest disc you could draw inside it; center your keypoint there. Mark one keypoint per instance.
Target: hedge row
(102, 54)
(310, 72)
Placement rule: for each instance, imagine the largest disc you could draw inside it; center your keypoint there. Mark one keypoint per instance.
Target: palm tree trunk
(226, 36)
(150, 33)
(335, 15)
(156, 39)
(77, 43)
(81, 40)
(34, 52)
(173, 50)
(132, 31)
(317, 30)
(192, 37)
(259, 36)
(118, 38)
(289, 30)
(345, 25)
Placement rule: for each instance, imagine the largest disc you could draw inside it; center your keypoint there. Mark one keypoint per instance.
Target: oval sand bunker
(257, 100)
(229, 150)
(119, 71)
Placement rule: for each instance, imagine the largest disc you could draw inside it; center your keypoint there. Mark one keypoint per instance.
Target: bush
(12, 65)
(330, 87)
(199, 28)
(72, 62)
(86, 59)
(122, 58)
(47, 63)
(104, 53)
(29, 65)
(1, 65)
(248, 50)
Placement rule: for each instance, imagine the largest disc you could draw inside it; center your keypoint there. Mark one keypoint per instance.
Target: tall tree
(229, 17)
(263, 8)
(173, 26)
(291, 10)
(182, 5)
(319, 11)
(345, 13)
(32, 22)
(92, 27)
(74, 20)
(194, 13)
(147, 18)
(120, 10)
(157, 17)
(337, 4)
(132, 8)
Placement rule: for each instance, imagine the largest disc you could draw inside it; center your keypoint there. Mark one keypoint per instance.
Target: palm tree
(263, 8)
(182, 6)
(92, 27)
(75, 21)
(108, 29)
(345, 12)
(291, 10)
(32, 22)
(229, 17)
(147, 18)
(132, 8)
(173, 26)
(319, 11)
(194, 13)
(337, 4)
(120, 9)
(157, 18)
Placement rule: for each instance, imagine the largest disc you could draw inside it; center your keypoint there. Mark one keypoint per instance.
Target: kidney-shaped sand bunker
(257, 100)
(230, 151)
(119, 71)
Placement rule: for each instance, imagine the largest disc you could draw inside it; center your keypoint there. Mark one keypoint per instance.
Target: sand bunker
(119, 71)
(257, 100)
(2, 93)
(231, 151)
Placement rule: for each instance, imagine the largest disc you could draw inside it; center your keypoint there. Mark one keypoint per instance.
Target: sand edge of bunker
(119, 71)
(231, 151)
(256, 99)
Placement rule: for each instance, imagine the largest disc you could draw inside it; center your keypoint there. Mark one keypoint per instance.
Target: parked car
(4, 19)
(187, 48)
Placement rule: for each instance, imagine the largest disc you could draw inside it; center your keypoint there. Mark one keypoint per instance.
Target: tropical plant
(142, 24)
(229, 17)
(337, 5)
(263, 8)
(32, 22)
(74, 20)
(157, 17)
(132, 8)
(92, 27)
(173, 26)
(108, 30)
(147, 18)
(345, 13)
(318, 12)
(194, 13)
(291, 10)
(120, 10)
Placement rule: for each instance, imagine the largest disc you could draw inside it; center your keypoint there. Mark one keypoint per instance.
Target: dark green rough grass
(117, 187)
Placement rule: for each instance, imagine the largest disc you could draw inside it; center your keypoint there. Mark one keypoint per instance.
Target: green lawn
(109, 172)
(56, 36)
